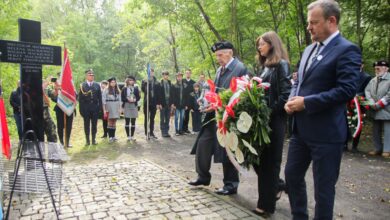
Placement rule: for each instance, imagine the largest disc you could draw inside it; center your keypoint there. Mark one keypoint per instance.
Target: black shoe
(225, 192)
(187, 132)
(166, 135)
(262, 214)
(104, 136)
(198, 182)
(177, 134)
(87, 143)
(94, 142)
(153, 136)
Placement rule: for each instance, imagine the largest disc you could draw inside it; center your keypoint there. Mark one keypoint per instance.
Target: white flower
(249, 146)
(232, 140)
(244, 122)
(239, 155)
(221, 138)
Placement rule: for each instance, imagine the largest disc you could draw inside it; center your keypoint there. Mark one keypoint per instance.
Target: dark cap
(165, 73)
(222, 45)
(110, 79)
(381, 63)
(131, 77)
(88, 71)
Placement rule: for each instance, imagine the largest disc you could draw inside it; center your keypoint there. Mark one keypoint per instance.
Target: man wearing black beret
(378, 95)
(206, 144)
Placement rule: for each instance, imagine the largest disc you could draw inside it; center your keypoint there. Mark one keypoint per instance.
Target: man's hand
(295, 104)
(288, 110)
(209, 109)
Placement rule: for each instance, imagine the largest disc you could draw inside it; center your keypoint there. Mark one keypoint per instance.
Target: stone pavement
(127, 190)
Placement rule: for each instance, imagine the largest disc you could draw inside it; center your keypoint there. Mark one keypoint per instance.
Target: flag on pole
(4, 135)
(67, 96)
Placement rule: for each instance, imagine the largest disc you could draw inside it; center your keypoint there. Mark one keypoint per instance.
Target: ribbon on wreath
(355, 104)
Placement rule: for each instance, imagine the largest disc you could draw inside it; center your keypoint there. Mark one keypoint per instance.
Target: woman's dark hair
(276, 52)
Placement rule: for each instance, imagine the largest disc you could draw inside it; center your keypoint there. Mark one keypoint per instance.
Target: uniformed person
(90, 101)
(48, 123)
(206, 144)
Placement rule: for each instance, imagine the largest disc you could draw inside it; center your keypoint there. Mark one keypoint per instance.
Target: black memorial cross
(31, 55)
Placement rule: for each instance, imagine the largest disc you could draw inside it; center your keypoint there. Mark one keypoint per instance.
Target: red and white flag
(67, 97)
(4, 135)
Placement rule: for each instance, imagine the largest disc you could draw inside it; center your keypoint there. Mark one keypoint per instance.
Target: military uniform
(90, 102)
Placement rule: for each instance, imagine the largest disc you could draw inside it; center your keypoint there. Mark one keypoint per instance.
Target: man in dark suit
(190, 88)
(327, 79)
(152, 95)
(164, 103)
(90, 100)
(206, 144)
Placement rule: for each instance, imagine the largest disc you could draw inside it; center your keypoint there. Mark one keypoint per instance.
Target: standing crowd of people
(327, 77)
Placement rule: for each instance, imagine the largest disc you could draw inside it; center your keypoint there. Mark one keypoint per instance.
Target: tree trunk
(359, 24)
(303, 22)
(173, 44)
(234, 35)
(207, 19)
(197, 29)
(274, 16)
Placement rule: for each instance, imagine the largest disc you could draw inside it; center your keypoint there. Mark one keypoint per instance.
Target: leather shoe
(199, 182)
(94, 142)
(225, 192)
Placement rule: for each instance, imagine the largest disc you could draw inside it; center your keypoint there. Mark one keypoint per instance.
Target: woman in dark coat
(274, 69)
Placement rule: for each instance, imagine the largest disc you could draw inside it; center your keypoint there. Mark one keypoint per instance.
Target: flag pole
(147, 102)
(64, 130)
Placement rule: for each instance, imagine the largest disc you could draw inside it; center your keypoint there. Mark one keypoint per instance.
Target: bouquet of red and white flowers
(243, 119)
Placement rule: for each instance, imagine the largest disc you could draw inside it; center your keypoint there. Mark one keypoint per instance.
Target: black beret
(131, 77)
(381, 63)
(88, 70)
(110, 79)
(222, 45)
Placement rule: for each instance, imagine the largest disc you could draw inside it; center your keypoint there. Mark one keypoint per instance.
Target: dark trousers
(152, 114)
(326, 158)
(196, 120)
(18, 121)
(204, 152)
(105, 124)
(90, 124)
(61, 125)
(186, 120)
(165, 115)
(269, 169)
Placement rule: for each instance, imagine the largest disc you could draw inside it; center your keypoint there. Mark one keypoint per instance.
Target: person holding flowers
(274, 69)
(206, 144)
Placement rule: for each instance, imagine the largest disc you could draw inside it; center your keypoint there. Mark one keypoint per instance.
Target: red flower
(229, 108)
(233, 84)
(214, 100)
(211, 84)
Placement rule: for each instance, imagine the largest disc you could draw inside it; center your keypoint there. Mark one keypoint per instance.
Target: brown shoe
(386, 154)
(374, 153)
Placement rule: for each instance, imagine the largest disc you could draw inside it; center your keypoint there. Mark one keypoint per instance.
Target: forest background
(119, 37)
